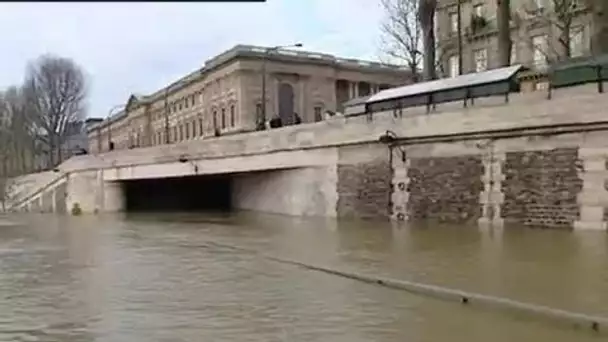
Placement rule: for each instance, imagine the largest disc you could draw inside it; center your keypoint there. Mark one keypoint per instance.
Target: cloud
(139, 47)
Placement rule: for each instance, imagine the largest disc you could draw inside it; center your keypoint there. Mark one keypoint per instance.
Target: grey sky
(139, 47)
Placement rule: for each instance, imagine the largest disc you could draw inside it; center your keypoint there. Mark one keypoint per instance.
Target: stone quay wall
(530, 161)
(547, 181)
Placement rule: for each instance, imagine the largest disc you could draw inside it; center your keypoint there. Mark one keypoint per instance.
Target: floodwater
(166, 278)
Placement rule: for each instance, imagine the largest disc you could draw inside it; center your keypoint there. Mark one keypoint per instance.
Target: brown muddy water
(143, 278)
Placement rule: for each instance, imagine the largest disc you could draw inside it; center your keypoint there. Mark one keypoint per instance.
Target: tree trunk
(504, 32)
(426, 16)
(599, 37)
(51, 151)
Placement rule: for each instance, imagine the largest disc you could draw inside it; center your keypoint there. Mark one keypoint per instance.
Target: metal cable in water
(594, 323)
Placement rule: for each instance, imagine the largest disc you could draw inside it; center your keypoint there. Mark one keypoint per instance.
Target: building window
(232, 116)
(478, 10)
(539, 43)
(200, 126)
(453, 22)
(180, 137)
(481, 60)
(577, 47)
(185, 101)
(453, 66)
(187, 130)
(215, 120)
(193, 99)
(174, 134)
(318, 113)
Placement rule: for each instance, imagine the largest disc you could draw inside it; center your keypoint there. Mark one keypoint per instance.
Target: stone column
(113, 199)
(491, 198)
(400, 183)
(593, 198)
(351, 91)
(53, 200)
(82, 191)
(356, 89)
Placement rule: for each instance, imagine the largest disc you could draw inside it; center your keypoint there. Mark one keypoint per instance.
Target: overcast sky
(139, 47)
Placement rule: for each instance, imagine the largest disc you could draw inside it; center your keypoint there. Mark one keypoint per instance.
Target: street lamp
(110, 113)
(262, 119)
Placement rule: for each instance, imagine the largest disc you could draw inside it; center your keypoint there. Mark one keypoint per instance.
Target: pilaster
(400, 185)
(593, 198)
(491, 198)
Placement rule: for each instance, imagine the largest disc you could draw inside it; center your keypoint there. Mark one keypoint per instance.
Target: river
(143, 278)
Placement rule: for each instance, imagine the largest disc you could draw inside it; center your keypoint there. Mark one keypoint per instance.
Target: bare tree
(504, 32)
(5, 151)
(402, 33)
(55, 90)
(22, 141)
(426, 17)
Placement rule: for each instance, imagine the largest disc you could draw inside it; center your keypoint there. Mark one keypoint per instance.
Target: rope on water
(595, 323)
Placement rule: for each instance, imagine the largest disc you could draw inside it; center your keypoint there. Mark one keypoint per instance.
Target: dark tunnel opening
(192, 194)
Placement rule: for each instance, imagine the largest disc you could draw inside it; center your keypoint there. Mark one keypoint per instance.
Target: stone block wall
(541, 187)
(445, 189)
(550, 181)
(364, 181)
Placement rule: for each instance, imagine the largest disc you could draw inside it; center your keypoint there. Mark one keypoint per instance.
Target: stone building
(225, 96)
(535, 32)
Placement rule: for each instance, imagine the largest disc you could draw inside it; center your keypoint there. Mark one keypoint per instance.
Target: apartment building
(536, 32)
(225, 96)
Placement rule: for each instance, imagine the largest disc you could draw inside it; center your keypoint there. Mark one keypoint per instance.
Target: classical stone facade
(535, 33)
(225, 96)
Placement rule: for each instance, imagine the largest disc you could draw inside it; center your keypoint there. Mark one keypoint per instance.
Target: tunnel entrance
(192, 193)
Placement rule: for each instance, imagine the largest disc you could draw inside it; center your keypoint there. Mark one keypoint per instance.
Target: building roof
(357, 101)
(486, 83)
(257, 52)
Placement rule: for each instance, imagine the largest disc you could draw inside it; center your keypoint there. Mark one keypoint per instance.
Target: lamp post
(262, 119)
(110, 113)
